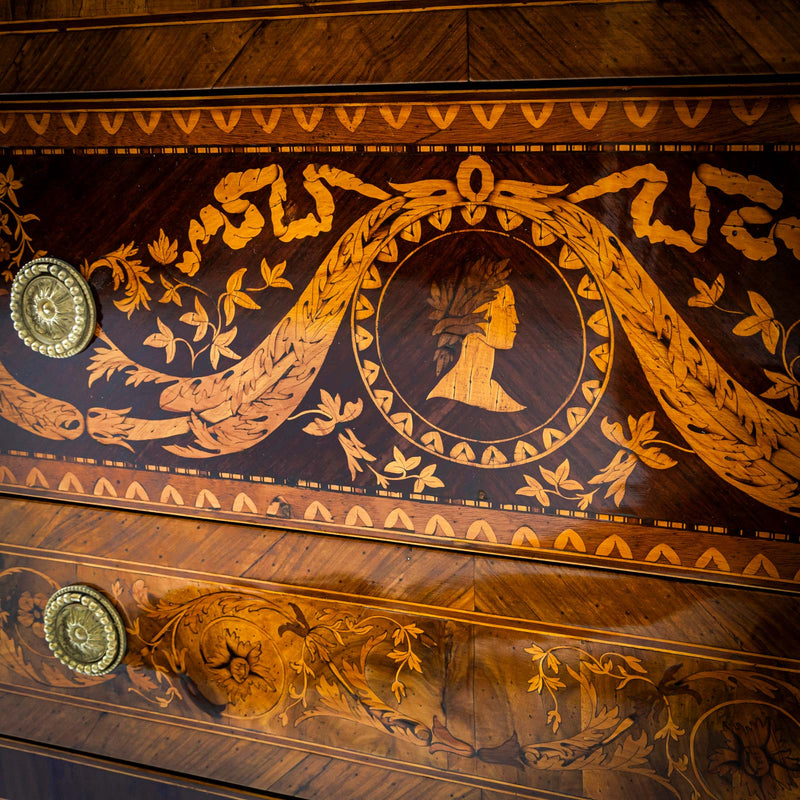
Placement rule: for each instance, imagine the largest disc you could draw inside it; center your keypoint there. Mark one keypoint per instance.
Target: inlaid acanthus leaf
(642, 432)
(163, 250)
(330, 408)
(126, 271)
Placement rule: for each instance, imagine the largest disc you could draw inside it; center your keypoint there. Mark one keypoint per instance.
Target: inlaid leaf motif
(163, 338)
(782, 386)
(402, 465)
(707, 295)
(274, 277)
(9, 184)
(162, 249)
(234, 296)
(762, 321)
(220, 346)
(128, 271)
(332, 414)
(198, 318)
(642, 432)
(535, 489)
(560, 478)
(355, 451)
(171, 294)
(427, 479)
(616, 474)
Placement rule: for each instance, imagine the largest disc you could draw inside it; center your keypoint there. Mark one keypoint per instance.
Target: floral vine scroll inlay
(672, 723)
(15, 242)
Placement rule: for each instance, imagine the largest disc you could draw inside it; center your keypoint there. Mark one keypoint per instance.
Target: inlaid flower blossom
(754, 760)
(239, 667)
(31, 612)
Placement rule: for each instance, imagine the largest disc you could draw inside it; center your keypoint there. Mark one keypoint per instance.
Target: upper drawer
(585, 351)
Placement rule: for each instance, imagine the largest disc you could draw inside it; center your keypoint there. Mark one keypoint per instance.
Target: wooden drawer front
(337, 671)
(584, 352)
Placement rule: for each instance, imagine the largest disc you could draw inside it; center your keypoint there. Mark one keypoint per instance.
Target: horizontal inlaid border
(764, 559)
(522, 118)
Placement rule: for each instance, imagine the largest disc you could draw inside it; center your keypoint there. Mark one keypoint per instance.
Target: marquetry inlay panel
(587, 352)
(465, 699)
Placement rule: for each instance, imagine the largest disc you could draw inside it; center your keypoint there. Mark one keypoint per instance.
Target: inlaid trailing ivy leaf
(171, 294)
(198, 318)
(707, 295)
(401, 465)
(219, 346)
(782, 386)
(535, 489)
(427, 479)
(273, 277)
(762, 321)
(163, 250)
(235, 297)
(163, 338)
(560, 478)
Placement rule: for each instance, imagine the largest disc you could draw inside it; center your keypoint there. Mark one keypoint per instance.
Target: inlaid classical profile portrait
(475, 316)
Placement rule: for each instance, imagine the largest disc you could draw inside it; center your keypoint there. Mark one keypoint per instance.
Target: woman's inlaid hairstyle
(455, 302)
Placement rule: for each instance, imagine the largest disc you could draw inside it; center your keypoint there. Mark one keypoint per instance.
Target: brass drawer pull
(84, 630)
(52, 308)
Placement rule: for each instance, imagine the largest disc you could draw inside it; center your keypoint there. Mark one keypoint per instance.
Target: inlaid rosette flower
(240, 667)
(84, 633)
(30, 613)
(754, 760)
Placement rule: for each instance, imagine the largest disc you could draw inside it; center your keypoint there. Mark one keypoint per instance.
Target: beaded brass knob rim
(84, 630)
(52, 308)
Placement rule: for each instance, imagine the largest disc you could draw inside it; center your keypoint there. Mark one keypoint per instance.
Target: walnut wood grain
(478, 628)
(276, 53)
(35, 772)
(635, 39)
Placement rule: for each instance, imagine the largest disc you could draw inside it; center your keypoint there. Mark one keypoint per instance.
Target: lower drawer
(319, 667)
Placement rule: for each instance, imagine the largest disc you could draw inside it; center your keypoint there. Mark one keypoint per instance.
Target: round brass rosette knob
(84, 630)
(52, 308)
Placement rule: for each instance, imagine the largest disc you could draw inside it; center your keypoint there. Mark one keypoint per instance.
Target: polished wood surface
(344, 604)
(390, 43)
(541, 427)
(35, 772)
(448, 673)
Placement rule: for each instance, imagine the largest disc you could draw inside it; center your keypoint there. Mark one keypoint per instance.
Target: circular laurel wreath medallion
(52, 308)
(84, 631)
(515, 430)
